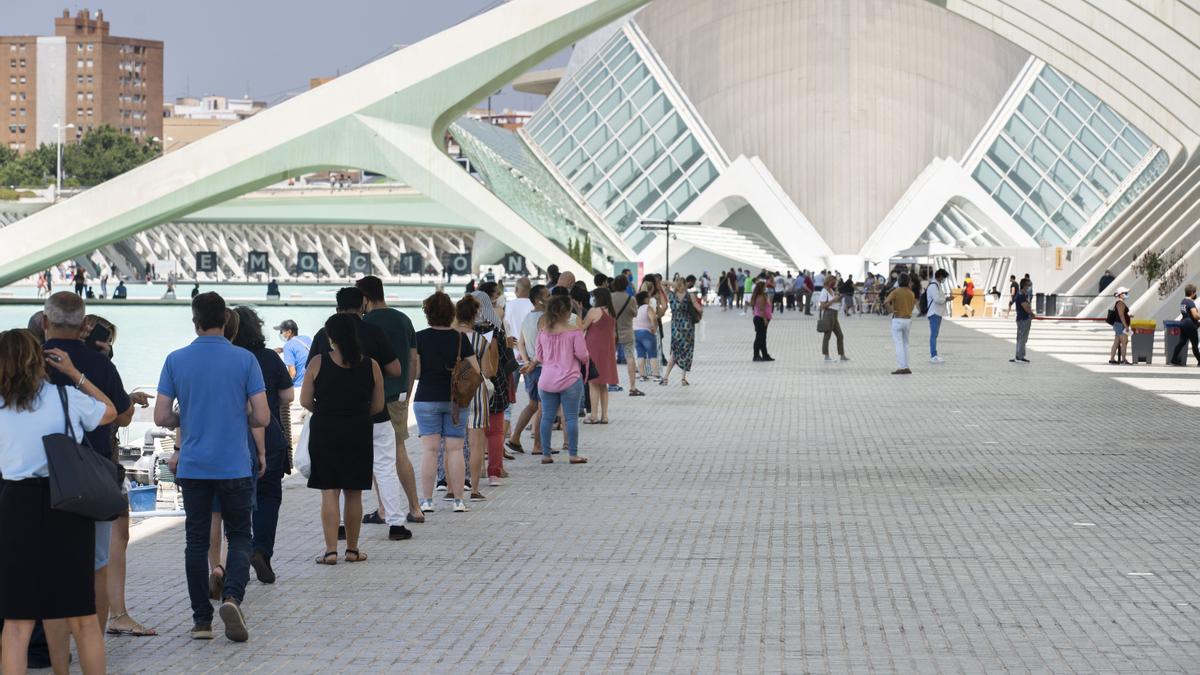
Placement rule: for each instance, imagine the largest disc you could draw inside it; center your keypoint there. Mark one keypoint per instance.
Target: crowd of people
(223, 395)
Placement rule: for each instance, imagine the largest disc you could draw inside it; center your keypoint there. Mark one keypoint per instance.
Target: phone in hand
(99, 334)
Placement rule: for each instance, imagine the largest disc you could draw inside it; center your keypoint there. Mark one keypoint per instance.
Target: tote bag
(301, 460)
(81, 481)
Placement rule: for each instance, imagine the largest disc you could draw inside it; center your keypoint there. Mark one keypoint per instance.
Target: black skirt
(47, 570)
(342, 450)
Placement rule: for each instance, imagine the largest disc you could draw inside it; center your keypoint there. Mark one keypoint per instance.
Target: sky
(267, 48)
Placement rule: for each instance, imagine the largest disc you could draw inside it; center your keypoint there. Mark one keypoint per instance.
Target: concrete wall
(51, 88)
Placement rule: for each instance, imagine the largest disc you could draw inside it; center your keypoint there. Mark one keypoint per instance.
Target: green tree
(105, 153)
(585, 256)
(33, 169)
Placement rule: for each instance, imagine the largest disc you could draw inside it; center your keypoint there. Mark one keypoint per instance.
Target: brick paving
(976, 516)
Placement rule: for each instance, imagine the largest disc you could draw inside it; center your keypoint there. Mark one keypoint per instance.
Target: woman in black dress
(342, 390)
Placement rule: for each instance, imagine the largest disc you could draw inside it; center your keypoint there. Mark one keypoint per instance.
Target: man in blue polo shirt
(295, 350)
(215, 384)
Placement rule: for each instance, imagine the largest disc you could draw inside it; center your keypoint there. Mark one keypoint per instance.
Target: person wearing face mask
(1189, 317)
(1119, 318)
(294, 350)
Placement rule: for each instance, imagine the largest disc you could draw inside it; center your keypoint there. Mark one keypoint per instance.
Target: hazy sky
(266, 48)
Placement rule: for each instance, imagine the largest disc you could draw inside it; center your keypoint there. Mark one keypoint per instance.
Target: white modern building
(1055, 137)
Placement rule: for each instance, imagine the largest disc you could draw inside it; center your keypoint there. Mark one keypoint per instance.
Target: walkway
(975, 516)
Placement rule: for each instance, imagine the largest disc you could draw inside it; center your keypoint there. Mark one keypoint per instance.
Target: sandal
(358, 557)
(515, 447)
(324, 560)
(591, 421)
(216, 583)
(579, 460)
(138, 630)
(636, 392)
(604, 421)
(685, 383)
(477, 496)
(547, 460)
(662, 382)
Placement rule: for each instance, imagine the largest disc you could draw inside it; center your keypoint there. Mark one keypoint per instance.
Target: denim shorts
(647, 346)
(1118, 328)
(103, 538)
(434, 419)
(531, 385)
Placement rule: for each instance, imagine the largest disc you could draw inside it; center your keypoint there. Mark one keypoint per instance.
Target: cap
(1121, 291)
(288, 325)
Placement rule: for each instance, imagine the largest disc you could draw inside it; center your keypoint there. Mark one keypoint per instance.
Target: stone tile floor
(976, 516)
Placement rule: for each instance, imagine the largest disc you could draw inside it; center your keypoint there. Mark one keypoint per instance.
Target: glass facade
(1060, 163)
(954, 227)
(615, 137)
(515, 175)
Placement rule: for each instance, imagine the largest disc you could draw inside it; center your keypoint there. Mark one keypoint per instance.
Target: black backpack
(924, 302)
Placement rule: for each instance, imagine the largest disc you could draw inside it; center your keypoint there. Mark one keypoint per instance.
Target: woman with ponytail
(342, 389)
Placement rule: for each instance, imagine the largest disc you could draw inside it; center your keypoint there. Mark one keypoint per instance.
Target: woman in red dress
(600, 333)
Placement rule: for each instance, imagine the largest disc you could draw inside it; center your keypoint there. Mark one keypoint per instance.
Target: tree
(105, 153)
(585, 256)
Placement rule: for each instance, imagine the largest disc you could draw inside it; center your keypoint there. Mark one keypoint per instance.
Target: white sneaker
(494, 482)
(937, 359)
(460, 506)
(828, 359)
(426, 506)
(441, 487)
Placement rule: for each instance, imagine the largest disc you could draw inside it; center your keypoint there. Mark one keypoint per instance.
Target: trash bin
(143, 499)
(1172, 334)
(1051, 305)
(1143, 340)
(1039, 303)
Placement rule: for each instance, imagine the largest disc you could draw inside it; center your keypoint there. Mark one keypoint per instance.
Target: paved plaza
(977, 516)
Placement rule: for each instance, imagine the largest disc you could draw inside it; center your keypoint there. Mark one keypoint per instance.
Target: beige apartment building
(81, 75)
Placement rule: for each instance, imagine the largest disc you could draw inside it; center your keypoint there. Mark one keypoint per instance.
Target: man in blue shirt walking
(295, 350)
(215, 384)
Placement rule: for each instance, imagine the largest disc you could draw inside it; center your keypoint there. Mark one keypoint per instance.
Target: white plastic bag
(300, 458)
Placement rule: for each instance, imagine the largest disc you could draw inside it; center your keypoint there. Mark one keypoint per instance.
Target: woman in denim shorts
(439, 347)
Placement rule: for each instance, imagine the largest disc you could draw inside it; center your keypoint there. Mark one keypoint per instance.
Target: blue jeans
(269, 499)
(235, 496)
(935, 327)
(569, 399)
(647, 345)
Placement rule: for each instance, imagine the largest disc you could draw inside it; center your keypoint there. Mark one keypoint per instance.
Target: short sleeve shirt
(903, 301)
(438, 351)
(1185, 310)
(398, 329)
(102, 373)
(275, 378)
(1020, 301)
(212, 380)
(22, 454)
(295, 354)
(826, 296)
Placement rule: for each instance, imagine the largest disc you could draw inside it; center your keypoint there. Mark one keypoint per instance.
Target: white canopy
(930, 250)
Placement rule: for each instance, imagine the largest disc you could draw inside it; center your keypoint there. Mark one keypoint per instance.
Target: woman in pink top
(762, 318)
(562, 355)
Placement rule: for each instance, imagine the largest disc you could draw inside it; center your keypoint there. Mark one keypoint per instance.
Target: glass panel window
(1079, 157)
(1051, 77)
(1087, 200)
(601, 90)
(682, 196)
(986, 176)
(588, 178)
(1068, 219)
(603, 196)
(633, 133)
(1068, 119)
(1044, 95)
(1024, 176)
(636, 78)
(1046, 197)
(666, 173)
(704, 175)
(1136, 140)
(623, 67)
(1029, 219)
(671, 129)
(1114, 120)
(625, 174)
(1009, 198)
(1131, 158)
(619, 212)
(1097, 124)
(687, 153)
(570, 167)
(577, 116)
(1043, 155)
(609, 156)
(565, 148)
(643, 196)
(643, 95)
(609, 104)
(1057, 137)
(1087, 95)
(656, 110)
(1064, 177)
(597, 140)
(1091, 141)
(1100, 180)
(1018, 131)
(1049, 236)
(1077, 104)
(1003, 154)
(1114, 164)
(1032, 111)
(648, 152)
(623, 114)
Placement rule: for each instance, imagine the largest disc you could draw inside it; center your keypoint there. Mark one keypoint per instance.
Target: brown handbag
(464, 382)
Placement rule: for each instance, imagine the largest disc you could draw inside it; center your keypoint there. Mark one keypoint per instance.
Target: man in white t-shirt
(516, 310)
(828, 303)
(936, 297)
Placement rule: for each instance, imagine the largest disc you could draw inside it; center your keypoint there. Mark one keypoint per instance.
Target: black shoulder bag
(81, 481)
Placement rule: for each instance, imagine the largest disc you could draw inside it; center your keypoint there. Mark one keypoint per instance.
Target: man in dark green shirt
(396, 390)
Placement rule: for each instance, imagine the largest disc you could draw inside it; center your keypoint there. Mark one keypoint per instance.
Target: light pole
(665, 226)
(58, 167)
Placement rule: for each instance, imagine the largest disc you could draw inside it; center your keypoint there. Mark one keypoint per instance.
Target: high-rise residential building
(81, 75)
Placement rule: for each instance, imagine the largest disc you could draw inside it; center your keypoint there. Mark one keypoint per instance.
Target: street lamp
(58, 169)
(665, 226)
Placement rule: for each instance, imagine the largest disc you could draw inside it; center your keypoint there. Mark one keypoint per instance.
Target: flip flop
(324, 560)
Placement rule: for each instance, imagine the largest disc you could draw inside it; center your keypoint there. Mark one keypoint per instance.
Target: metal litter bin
(1039, 303)
(1142, 346)
(1051, 308)
(1172, 335)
